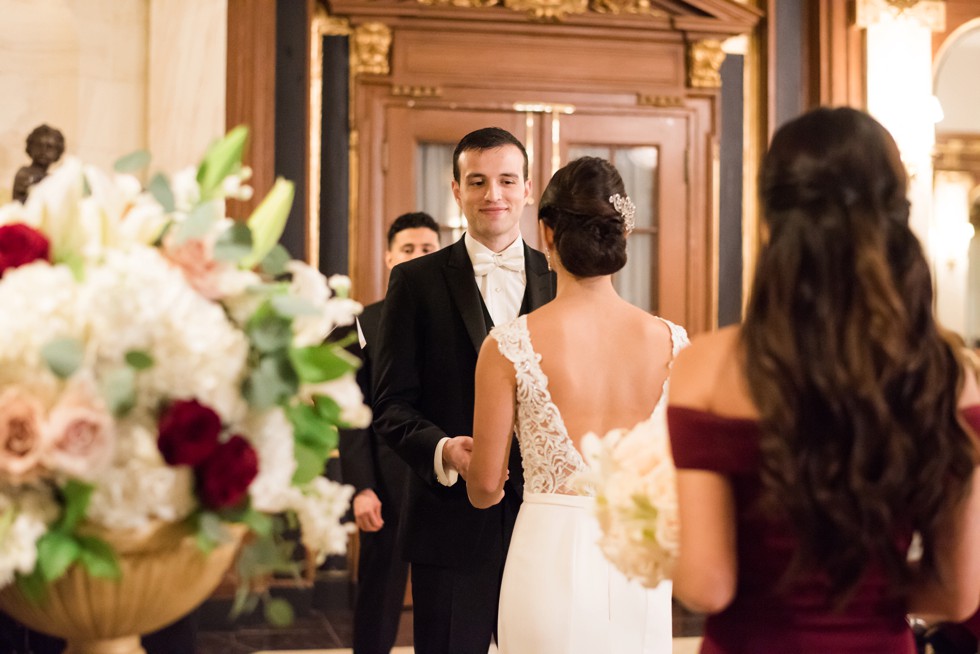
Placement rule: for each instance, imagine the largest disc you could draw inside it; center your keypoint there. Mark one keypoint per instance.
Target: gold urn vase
(164, 576)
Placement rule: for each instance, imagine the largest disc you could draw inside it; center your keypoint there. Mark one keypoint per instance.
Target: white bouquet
(160, 362)
(632, 474)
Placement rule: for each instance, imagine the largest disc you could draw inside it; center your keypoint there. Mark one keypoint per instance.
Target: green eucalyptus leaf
(268, 331)
(119, 390)
(202, 219)
(64, 356)
(211, 531)
(56, 551)
(245, 602)
(98, 558)
(223, 158)
(139, 360)
(274, 263)
(260, 523)
(308, 426)
(278, 612)
(268, 221)
(290, 306)
(159, 188)
(76, 495)
(33, 585)
(327, 408)
(270, 383)
(320, 363)
(132, 162)
(234, 244)
(309, 464)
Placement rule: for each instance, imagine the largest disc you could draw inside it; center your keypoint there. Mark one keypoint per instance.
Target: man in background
(377, 473)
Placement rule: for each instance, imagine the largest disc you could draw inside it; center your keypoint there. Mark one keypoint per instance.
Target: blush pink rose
(223, 479)
(195, 259)
(79, 436)
(21, 436)
(21, 244)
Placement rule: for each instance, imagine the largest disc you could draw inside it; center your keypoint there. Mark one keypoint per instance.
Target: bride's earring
(547, 256)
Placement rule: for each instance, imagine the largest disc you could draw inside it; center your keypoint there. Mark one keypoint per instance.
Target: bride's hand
(457, 453)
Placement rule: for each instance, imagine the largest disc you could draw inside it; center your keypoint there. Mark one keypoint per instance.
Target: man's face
(492, 192)
(46, 149)
(410, 244)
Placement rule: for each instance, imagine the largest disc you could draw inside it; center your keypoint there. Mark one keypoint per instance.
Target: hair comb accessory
(626, 209)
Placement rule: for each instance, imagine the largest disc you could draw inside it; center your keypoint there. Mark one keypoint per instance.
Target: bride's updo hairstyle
(590, 234)
(861, 442)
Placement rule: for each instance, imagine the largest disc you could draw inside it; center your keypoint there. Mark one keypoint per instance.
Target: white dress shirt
(501, 278)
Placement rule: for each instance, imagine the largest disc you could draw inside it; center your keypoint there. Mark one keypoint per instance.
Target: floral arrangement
(633, 476)
(160, 362)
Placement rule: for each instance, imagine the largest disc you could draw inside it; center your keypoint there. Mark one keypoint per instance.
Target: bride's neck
(591, 288)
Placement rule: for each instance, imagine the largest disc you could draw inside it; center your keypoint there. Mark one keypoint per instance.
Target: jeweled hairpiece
(626, 209)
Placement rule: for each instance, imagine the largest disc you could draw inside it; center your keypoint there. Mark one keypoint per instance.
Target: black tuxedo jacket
(433, 324)
(366, 461)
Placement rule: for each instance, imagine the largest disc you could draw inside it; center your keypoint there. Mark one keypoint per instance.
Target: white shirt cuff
(447, 475)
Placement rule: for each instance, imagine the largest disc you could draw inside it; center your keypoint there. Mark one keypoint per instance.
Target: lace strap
(514, 343)
(678, 337)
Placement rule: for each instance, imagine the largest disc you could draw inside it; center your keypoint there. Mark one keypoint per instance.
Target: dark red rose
(188, 433)
(20, 245)
(224, 478)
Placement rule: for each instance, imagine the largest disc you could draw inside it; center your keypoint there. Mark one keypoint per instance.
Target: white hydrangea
(320, 506)
(30, 511)
(309, 284)
(271, 434)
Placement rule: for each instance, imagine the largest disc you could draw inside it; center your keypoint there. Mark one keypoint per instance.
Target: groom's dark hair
(487, 138)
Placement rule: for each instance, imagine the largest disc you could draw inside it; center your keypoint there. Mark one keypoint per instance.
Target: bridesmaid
(827, 465)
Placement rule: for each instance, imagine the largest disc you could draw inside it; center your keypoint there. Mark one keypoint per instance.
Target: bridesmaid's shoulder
(699, 365)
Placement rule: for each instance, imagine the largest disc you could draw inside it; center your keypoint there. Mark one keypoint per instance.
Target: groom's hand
(367, 511)
(456, 454)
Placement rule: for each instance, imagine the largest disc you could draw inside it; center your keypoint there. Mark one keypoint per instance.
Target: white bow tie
(510, 259)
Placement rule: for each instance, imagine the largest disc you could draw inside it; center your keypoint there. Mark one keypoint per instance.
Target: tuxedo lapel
(540, 281)
(465, 294)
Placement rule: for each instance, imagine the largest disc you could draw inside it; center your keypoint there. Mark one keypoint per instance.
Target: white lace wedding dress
(559, 594)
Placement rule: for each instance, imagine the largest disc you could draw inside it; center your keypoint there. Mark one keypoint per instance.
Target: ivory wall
(114, 76)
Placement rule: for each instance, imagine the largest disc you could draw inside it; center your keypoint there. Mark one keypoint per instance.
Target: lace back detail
(551, 462)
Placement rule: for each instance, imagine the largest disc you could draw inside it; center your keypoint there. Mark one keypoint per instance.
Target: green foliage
(201, 220)
(268, 331)
(274, 263)
(320, 363)
(139, 360)
(159, 188)
(268, 220)
(234, 244)
(271, 382)
(64, 356)
(278, 611)
(98, 558)
(132, 162)
(223, 158)
(119, 390)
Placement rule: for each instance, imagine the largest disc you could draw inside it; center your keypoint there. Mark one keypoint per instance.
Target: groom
(437, 312)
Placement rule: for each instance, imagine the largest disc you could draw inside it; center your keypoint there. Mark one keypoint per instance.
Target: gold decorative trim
(548, 9)
(648, 100)
(704, 59)
(557, 9)
(627, 7)
(927, 13)
(370, 45)
(417, 91)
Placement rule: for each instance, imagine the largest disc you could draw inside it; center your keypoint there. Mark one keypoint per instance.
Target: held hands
(367, 511)
(456, 454)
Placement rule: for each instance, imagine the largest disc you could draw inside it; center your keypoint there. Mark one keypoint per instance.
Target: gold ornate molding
(557, 9)
(647, 100)
(928, 13)
(627, 7)
(704, 59)
(416, 91)
(370, 44)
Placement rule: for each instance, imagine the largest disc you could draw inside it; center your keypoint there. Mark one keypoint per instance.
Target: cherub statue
(45, 145)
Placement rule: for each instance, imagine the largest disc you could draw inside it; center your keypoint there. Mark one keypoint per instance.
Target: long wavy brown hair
(861, 440)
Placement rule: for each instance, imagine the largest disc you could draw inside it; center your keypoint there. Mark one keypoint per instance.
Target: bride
(586, 362)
